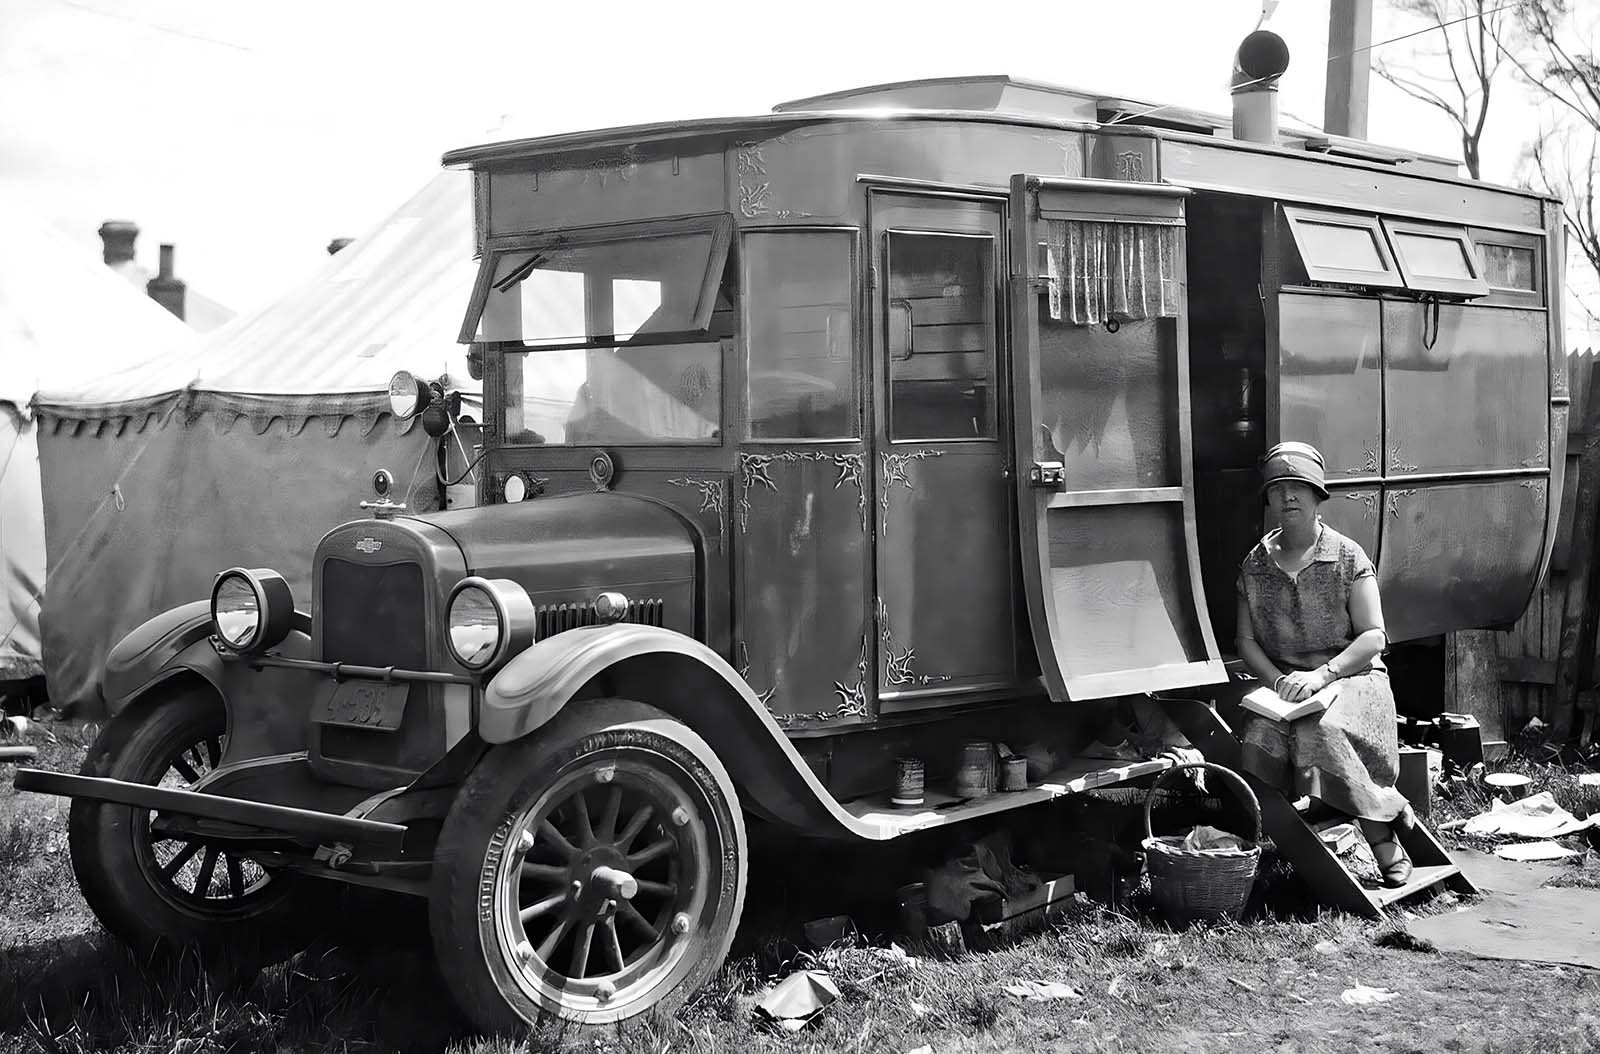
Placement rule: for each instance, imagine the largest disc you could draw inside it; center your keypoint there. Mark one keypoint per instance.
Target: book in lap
(1267, 703)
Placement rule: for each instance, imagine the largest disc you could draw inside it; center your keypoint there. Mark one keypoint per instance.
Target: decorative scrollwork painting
(711, 498)
(897, 663)
(897, 469)
(753, 472)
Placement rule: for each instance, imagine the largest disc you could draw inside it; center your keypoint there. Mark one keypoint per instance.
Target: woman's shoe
(1393, 863)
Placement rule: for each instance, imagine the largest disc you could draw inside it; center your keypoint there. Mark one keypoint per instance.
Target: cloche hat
(1292, 460)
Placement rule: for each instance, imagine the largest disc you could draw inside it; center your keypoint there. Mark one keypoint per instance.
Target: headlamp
(487, 621)
(251, 610)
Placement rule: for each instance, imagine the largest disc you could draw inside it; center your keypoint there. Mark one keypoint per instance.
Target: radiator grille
(373, 615)
(556, 618)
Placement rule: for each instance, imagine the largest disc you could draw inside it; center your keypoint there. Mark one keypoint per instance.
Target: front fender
(176, 641)
(158, 649)
(688, 680)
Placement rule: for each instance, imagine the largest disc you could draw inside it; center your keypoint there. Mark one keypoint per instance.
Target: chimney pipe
(337, 244)
(1260, 61)
(166, 288)
(116, 241)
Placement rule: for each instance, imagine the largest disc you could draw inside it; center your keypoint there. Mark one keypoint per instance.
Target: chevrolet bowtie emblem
(369, 545)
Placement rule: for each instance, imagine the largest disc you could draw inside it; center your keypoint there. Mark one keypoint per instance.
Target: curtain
(1104, 271)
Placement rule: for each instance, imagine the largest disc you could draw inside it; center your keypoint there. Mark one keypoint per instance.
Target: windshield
(629, 394)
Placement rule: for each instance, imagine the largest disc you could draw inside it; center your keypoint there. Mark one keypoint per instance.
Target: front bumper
(371, 837)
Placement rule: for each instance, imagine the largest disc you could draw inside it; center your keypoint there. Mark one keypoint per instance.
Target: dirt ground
(1275, 982)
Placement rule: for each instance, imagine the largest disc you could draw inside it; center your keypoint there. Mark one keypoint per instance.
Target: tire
(529, 834)
(147, 890)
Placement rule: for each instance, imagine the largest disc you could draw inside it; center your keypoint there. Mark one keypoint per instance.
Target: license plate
(363, 704)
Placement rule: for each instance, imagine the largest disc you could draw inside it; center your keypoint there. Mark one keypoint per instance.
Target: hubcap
(601, 880)
(195, 874)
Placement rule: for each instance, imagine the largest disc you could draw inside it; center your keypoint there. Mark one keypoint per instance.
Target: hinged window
(599, 286)
(1436, 258)
(1343, 248)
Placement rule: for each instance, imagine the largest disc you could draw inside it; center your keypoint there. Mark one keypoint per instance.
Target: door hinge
(1048, 475)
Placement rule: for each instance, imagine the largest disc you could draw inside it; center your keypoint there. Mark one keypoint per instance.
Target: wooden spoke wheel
(588, 873)
(159, 890)
(198, 876)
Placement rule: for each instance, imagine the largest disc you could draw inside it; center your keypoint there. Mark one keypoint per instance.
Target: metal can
(975, 772)
(1014, 773)
(908, 781)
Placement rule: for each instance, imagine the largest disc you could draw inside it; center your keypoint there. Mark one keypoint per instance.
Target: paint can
(1014, 773)
(908, 782)
(975, 772)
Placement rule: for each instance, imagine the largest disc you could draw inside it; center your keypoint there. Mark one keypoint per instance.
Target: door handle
(1048, 475)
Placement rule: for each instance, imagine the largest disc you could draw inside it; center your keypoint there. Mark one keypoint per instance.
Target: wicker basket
(1189, 884)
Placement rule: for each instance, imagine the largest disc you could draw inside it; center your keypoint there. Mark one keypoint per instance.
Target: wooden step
(1421, 878)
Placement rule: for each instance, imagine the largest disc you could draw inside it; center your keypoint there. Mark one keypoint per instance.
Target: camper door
(1104, 479)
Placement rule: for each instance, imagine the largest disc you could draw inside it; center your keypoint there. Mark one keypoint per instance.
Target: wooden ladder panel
(1298, 842)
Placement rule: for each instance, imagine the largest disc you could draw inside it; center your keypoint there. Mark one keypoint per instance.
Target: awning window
(601, 287)
(1112, 271)
(1343, 248)
(1436, 258)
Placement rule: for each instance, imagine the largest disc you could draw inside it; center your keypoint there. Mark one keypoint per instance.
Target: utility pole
(1344, 110)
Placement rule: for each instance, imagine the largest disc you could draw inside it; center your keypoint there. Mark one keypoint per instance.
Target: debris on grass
(793, 1002)
(1362, 995)
(1536, 816)
(1041, 991)
(1400, 938)
(1523, 852)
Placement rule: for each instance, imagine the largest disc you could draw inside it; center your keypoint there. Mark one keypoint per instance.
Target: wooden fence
(1545, 666)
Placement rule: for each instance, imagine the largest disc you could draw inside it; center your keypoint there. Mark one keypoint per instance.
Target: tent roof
(65, 318)
(391, 300)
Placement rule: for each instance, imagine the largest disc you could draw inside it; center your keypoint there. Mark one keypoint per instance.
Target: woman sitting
(1309, 616)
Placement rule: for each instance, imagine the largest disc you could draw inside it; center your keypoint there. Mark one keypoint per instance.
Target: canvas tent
(247, 449)
(64, 319)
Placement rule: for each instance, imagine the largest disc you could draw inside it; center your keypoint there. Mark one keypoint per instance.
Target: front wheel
(591, 872)
(158, 892)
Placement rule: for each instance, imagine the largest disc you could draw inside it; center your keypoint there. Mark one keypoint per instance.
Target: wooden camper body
(881, 573)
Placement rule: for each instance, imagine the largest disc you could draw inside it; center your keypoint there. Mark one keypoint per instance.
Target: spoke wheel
(593, 877)
(158, 890)
(196, 876)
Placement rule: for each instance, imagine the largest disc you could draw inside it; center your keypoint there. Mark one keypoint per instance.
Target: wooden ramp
(1299, 842)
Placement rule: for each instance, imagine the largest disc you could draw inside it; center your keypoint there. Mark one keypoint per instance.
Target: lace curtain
(1102, 271)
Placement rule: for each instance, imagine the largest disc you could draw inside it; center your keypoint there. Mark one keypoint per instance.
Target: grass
(1272, 983)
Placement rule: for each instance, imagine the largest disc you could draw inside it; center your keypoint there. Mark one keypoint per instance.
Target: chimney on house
(116, 240)
(166, 288)
(337, 244)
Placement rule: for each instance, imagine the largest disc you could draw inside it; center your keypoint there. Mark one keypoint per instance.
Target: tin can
(1014, 773)
(975, 772)
(908, 781)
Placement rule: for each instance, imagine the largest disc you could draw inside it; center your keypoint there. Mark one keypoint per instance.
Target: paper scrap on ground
(1361, 995)
(1589, 779)
(1525, 851)
(796, 999)
(1042, 991)
(1537, 816)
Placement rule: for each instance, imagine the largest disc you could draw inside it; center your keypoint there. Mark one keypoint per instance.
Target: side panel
(802, 523)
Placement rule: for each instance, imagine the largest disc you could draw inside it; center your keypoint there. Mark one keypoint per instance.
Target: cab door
(945, 560)
(1104, 484)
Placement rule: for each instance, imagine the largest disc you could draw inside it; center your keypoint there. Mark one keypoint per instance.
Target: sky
(250, 134)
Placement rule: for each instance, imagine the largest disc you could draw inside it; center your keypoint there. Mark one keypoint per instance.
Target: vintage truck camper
(889, 419)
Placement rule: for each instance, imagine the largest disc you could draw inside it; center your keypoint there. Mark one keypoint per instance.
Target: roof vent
(1260, 61)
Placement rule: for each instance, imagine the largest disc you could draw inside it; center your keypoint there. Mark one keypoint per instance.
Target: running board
(941, 808)
(1300, 844)
(304, 825)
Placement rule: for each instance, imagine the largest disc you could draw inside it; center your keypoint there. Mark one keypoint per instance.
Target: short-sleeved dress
(1349, 755)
